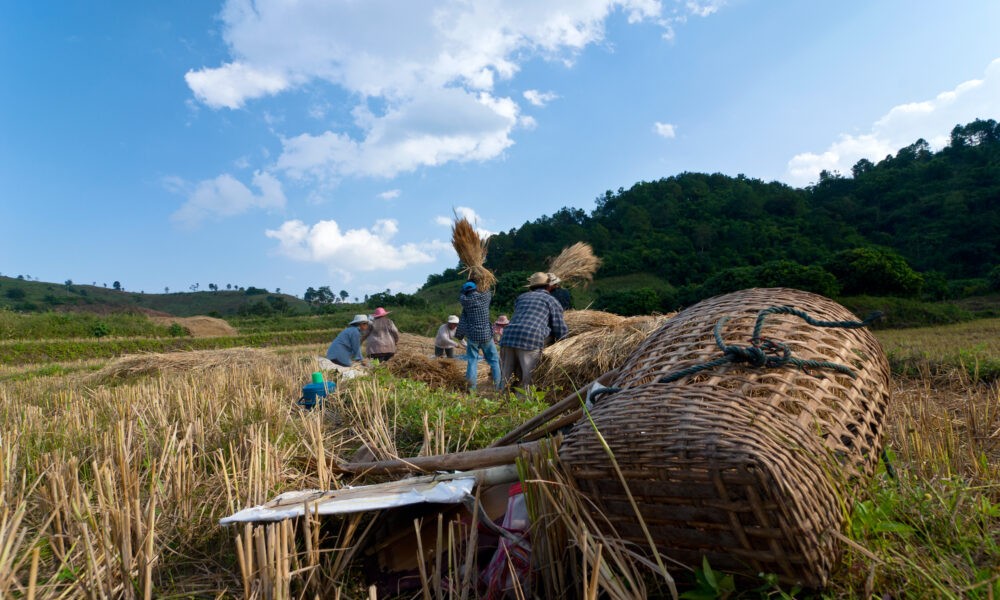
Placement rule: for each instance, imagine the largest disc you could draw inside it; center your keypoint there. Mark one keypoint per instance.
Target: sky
(293, 144)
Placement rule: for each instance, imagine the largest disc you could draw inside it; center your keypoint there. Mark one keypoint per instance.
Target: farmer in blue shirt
(537, 315)
(475, 326)
(346, 347)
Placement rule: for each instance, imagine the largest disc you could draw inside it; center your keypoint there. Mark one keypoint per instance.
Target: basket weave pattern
(751, 468)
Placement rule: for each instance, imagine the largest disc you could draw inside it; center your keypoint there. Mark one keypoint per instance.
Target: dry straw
(472, 252)
(199, 326)
(598, 342)
(575, 265)
(135, 365)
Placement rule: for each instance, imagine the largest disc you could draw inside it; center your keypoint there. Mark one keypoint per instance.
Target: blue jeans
(472, 361)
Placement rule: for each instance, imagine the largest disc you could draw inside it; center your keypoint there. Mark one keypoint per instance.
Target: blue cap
(468, 285)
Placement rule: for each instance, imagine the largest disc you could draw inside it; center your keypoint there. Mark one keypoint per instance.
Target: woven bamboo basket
(749, 467)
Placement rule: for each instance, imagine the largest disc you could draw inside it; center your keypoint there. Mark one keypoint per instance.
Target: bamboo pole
(570, 401)
(456, 461)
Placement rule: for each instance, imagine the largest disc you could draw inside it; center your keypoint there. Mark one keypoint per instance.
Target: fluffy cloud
(389, 194)
(664, 130)
(225, 196)
(931, 120)
(352, 251)
(421, 73)
(233, 84)
(539, 98)
(431, 128)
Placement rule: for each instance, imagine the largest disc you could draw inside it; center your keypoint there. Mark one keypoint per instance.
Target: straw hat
(379, 312)
(358, 319)
(538, 279)
(452, 319)
(554, 279)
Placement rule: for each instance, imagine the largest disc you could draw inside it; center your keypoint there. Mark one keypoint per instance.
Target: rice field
(113, 476)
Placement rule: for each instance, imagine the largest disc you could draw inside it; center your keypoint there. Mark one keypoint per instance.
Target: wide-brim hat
(554, 279)
(358, 319)
(503, 320)
(380, 312)
(538, 279)
(452, 318)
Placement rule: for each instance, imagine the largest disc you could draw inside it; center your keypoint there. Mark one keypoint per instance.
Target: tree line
(917, 223)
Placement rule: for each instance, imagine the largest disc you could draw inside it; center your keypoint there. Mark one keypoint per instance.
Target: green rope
(765, 353)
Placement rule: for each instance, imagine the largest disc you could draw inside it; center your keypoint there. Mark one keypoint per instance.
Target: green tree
(874, 271)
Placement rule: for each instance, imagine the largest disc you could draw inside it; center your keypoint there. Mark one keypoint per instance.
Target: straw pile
(135, 365)
(414, 359)
(198, 326)
(438, 373)
(472, 252)
(598, 342)
(575, 265)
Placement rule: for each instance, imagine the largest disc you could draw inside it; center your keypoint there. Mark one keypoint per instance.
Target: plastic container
(312, 392)
(318, 377)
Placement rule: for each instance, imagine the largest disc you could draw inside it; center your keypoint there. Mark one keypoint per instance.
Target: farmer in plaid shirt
(474, 325)
(537, 316)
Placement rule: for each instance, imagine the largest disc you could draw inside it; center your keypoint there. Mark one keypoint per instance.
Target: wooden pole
(456, 461)
(570, 401)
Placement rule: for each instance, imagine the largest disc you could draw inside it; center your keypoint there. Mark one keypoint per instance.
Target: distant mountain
(24, 295)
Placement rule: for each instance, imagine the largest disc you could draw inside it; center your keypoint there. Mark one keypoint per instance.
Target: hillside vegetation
(920, 224)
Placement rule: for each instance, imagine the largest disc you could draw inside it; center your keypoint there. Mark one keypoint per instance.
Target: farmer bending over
(537, 315)
(346, 347)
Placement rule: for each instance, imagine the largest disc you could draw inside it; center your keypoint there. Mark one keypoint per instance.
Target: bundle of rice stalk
(575, 265)
(435, 372)
(472, 252)
(577, 359)
(582, 321)
(134, 365)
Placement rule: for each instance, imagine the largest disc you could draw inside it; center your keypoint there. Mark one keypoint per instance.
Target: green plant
(710, 585)
(178, 330)
(100, 329)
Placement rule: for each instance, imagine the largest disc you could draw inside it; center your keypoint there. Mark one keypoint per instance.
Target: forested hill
(940, 211)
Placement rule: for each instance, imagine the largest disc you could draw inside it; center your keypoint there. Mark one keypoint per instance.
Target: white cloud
(931, 120)
(232, 84)
(389, 194)
(430, 68)
(224, 196)
(352, 251)
(433, 128)
(664, 130)
(539, 98)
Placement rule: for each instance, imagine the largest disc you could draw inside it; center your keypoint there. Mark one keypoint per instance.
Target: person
(560, 293)
(474, 326)
(498, 325)
(445, 342)
(382, 336)
(346, 347)
(537, 315)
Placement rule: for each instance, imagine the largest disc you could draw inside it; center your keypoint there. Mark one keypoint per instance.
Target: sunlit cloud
(352, 251)
(931, 120)
(422, 76)
(665, 130)
(225, 196)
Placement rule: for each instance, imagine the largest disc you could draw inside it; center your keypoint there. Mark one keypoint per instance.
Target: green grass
(972, 348)
(48, 351)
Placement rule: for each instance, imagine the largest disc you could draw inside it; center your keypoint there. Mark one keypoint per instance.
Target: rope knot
(752, 355)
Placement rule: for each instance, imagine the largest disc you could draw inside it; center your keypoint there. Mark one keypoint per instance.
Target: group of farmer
(512, 347)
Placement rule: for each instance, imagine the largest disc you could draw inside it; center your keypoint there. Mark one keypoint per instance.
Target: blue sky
(293, 144)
